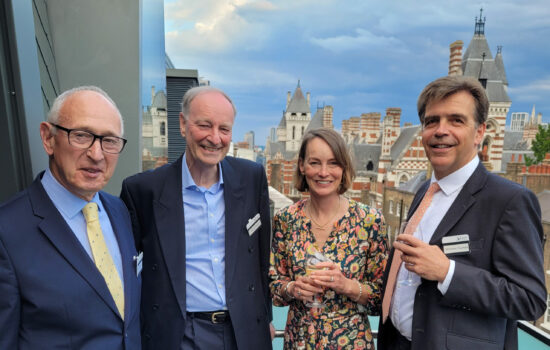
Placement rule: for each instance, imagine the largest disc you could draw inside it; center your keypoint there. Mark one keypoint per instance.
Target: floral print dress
(358, 243)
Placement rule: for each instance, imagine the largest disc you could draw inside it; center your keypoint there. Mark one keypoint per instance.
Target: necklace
(315, 224)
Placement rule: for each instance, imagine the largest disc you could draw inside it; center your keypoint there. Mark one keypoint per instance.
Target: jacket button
(147, 336)
(251, 288)
(250, 249)
(154, 267)
(155, 307)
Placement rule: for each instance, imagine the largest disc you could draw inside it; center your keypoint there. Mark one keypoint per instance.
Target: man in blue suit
(203, 225)
(68, 279)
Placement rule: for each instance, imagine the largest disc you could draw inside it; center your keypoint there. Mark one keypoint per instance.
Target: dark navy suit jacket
(155, 202)
(52, 296)
(500, 281)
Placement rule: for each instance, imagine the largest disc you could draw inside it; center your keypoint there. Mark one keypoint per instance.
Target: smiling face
(207, 129)
(450, 135)
(82, 171)
(322, 172)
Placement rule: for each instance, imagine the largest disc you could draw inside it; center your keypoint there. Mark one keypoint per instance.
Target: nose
(214, 136)
(442, 127)
(94, 151)
(324, 170)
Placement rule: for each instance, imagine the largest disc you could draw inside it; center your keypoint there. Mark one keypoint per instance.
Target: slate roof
(317, 120)
(406, 137)
(298, 103)
(513, 140)
(362, 153)
(489, 68)
(159, 101)
(279, 146)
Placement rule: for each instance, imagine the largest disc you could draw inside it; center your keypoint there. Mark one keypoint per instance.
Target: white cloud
(364, 40)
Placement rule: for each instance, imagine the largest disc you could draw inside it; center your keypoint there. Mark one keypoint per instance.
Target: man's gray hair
(199, 90)
(53, 114)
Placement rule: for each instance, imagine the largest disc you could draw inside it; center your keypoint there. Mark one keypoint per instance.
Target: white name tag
(454, 249)
(456, 245)
(253, 224)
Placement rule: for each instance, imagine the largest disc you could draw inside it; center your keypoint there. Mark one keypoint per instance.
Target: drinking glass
(410, 280)
(313, 258)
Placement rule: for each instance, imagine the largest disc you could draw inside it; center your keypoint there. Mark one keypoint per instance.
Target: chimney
(307, 98)
(152, 93)
(327, 117)
(455, 58)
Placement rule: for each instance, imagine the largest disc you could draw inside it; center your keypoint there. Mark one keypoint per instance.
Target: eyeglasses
(85, 139)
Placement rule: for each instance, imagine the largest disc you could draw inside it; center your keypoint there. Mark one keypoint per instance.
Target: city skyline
(361, 58)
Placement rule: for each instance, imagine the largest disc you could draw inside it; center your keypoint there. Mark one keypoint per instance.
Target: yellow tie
(102, 257)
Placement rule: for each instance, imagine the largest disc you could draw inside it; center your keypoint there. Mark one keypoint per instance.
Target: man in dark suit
(474, 253)
(203, 225)
(67, 275)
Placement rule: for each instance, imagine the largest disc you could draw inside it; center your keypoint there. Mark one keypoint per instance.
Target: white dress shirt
(402, 304)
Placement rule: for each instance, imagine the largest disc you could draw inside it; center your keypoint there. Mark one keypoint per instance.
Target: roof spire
(499, 49)
(480, 25)
(298, 83)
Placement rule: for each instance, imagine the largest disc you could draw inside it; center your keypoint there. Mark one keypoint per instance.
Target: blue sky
(358, 55)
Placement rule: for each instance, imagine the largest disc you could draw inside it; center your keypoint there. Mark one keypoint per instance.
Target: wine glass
(410, 280)
(313, 258)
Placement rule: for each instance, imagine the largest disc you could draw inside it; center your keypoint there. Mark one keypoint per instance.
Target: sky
(358, 56)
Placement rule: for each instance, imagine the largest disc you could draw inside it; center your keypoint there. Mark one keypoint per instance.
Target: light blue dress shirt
(204, 210)
(70, 208)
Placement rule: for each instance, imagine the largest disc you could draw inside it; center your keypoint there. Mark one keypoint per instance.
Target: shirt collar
(66, 202)
(187, 181)
(455, 181)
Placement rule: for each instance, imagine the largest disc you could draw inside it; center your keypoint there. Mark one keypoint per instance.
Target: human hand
(427, 261)
(304, 288)
(329, 275)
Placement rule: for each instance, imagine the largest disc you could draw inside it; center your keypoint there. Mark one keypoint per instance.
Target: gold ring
(332, 278)
(299, 293)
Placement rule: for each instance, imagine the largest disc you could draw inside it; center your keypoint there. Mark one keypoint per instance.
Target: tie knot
(90, 212)
(434, 187)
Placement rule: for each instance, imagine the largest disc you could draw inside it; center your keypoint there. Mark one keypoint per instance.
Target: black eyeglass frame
(100, 137)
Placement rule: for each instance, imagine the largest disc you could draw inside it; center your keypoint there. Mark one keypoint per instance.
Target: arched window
(293, 132)
(370, 165)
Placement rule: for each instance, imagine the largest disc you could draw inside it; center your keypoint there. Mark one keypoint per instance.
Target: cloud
(364, 40)
(215, 26)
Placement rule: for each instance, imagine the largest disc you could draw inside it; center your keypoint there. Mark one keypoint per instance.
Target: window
(302, 131)
(405, 211)
(390, 209)
(370, 166)
(293, 132)
(398, 208)
(162, 128)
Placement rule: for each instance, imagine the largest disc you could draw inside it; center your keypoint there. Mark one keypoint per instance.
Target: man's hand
(427, 261)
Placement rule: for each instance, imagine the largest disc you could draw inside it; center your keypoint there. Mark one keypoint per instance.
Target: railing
(534, 332)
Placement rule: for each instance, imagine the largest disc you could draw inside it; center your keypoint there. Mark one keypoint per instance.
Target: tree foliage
(540, 146)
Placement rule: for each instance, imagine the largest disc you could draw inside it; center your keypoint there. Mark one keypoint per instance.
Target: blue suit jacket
(500, 281)
(155, 202)
(51, 294)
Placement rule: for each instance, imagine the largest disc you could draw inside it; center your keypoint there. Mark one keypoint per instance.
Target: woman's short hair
(341, 155)
(442, 88)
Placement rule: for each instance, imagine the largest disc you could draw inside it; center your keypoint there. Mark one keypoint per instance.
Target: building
(155, 131)
(51, 46)
(518, 121)
(249, 138)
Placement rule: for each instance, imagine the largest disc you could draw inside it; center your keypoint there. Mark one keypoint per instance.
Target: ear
(301, 166)
(48, 138)
(480, 131)
(182, 124)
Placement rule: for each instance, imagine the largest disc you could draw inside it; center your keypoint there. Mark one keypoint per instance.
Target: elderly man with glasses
(69, 273)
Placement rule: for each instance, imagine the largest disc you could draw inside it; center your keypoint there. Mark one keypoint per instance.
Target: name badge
(456, 245)
(139, 263)
(253, 224)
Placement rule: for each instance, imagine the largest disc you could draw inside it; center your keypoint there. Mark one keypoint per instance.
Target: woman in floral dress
(349, 233)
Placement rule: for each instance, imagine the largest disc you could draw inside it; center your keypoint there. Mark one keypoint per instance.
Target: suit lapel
(127, 252)
(233, 192)
(54, 227)
(169, 219)
(464, 200)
